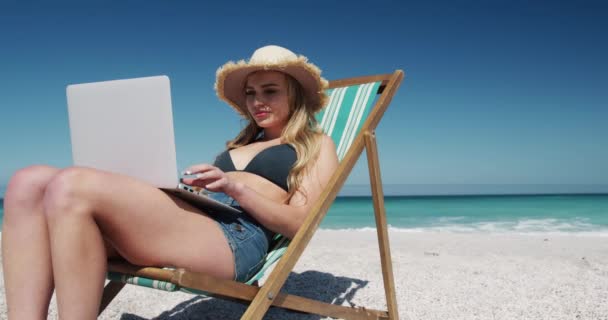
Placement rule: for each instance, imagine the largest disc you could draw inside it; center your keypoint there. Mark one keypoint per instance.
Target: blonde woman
(61, 225)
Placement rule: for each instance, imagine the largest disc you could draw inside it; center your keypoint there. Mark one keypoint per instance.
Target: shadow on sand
(310, 284)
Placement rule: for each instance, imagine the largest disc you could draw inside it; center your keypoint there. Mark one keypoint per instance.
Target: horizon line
(463, 195)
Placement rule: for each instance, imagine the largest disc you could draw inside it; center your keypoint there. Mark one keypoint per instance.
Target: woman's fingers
(217, 185)
(197, 168)
(193, 182)
(205, 176)
(196, 173)
(209, 175)
(199, 180)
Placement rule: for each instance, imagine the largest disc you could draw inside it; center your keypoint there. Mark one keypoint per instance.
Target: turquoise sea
(560, 213)
(474, 213)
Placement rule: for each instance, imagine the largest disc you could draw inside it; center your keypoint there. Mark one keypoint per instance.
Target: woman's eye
(249, 93)
(270, 91)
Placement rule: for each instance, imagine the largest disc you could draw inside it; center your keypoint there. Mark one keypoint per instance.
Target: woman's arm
(286, 219)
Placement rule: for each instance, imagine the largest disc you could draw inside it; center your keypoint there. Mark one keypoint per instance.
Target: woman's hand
(210, 178)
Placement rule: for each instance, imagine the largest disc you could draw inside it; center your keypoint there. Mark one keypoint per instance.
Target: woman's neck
(271, 133)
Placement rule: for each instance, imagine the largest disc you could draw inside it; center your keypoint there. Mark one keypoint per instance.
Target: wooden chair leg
(381, 225)
(109, 292)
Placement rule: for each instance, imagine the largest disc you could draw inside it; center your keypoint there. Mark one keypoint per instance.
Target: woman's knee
(26, 188)
(69, 191)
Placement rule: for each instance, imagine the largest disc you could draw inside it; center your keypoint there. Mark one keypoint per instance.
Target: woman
(61, 226)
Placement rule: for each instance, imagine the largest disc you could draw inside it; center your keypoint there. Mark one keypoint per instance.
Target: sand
(437, 275)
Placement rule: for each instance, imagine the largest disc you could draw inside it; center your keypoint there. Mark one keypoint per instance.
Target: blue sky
(496, 92)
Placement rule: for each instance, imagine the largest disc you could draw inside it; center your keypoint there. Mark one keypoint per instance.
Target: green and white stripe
(345, 113)
(144, 282)
(275, 254)
(330, 113)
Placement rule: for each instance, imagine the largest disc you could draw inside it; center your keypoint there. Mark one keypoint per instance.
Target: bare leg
(78, 254)
(145, 225)
(26, 255)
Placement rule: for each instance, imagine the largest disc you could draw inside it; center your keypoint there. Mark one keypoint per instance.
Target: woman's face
(267, 99)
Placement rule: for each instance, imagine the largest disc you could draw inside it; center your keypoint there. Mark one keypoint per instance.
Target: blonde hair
(301, 132)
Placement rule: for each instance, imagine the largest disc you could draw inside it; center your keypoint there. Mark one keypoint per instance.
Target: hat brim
(231, 77)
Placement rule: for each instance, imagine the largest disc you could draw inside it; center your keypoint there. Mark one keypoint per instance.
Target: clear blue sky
(496, 92)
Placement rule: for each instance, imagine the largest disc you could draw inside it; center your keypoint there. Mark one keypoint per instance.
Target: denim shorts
(248, 239)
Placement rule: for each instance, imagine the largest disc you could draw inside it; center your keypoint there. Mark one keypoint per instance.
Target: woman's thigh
(146, 226)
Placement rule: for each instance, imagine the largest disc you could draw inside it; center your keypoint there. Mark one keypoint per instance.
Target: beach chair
(355, 107)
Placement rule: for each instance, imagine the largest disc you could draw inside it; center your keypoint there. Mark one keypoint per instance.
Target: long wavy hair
(302, 132)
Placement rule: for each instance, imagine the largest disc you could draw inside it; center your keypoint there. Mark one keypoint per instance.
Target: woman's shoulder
(327, 148)
(326, 141)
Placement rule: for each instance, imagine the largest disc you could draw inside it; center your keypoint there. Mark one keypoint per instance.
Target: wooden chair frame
(262, 298)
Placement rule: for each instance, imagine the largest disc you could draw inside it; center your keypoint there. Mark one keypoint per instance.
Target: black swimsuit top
(272, 163)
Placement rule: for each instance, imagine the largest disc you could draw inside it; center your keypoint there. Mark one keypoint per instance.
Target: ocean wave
(450, 219)
(578, 226)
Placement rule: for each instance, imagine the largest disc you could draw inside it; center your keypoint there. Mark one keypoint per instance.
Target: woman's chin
(264, 123)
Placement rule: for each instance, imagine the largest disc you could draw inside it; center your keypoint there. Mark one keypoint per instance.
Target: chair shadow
(315, 285)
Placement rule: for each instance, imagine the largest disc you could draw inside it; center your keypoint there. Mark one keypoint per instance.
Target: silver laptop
(126, 126)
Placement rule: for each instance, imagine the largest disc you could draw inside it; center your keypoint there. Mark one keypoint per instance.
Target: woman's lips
(261, 114)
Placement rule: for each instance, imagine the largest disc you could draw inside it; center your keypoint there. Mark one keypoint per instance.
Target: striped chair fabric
(345, 113)
(341, 119)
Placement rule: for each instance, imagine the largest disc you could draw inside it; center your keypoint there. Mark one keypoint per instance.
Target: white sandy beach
(438, 276)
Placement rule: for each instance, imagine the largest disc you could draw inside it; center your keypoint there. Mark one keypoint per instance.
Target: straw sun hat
(231, 77)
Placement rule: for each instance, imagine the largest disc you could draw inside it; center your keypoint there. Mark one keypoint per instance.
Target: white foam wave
(450, 219)
(524, 226)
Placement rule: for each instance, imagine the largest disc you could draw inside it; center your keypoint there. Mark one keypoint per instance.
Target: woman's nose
(257, 101)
